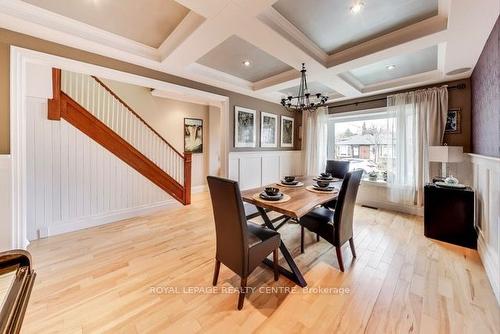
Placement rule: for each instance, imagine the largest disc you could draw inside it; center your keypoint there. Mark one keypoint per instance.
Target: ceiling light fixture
(356, 7)
(304, 100)
(246, 63)
(390, 67)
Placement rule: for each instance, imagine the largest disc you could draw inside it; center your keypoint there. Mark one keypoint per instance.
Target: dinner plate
(267, 197)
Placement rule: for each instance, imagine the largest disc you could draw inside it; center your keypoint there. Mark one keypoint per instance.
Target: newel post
(54, 105)
(187, 177)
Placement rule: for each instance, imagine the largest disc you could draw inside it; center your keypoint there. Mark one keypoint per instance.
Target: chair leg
(302, 239)
(353, 250)
(243, 289)
(317, 237)
(216, 272)
(276, 267)
(339, 258)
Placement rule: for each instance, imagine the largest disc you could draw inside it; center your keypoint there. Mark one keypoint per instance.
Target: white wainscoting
(486, 184)
(74, 183)
(256, 169)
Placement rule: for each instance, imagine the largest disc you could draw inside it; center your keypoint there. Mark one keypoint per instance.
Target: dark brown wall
(485, 82)
(457, 98)
(8, 38)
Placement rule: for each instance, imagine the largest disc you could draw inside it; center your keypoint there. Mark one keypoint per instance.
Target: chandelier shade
(304, 99)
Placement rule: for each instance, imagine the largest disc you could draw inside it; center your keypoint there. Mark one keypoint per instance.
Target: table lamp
(445, 154)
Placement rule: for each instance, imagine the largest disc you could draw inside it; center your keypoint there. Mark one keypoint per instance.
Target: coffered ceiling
(348, 46)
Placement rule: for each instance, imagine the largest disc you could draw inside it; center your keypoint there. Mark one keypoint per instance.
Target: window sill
(378, 183)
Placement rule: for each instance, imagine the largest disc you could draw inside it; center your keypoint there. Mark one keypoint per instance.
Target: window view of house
(365, 140)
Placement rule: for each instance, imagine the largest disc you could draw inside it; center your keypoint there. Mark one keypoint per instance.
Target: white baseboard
(411, 210)
(110, 217)
(199, 189)
(491, 265)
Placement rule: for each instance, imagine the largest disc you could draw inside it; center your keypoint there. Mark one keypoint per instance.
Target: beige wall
(4, 99)
(167, 117)
(8, 38)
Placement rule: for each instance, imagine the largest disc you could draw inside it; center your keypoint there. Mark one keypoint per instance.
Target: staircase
(90, 106)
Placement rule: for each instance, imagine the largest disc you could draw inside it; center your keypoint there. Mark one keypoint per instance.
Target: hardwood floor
(116, 278)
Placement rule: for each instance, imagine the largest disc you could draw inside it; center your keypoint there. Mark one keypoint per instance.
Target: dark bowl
(289, 178)
(323, 184)
(272, 191)
(326, 175)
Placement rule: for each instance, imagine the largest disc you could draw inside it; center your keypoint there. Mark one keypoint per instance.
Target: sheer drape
(417, 120)
(314, 126)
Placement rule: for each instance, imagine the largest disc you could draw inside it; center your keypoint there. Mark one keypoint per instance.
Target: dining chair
(338, 169)
(335, 226)
(241, 246)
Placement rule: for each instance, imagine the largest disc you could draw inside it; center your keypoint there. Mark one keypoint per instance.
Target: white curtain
(314, 127)
(417, 120)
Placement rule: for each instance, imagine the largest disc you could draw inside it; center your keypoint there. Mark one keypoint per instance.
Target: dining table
(300, 201)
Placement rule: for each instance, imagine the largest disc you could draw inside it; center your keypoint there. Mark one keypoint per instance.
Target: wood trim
(83, 120)
(54, 104)
(187, 177)
(135, 114)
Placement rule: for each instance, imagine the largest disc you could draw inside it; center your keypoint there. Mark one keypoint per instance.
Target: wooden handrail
(136, 114)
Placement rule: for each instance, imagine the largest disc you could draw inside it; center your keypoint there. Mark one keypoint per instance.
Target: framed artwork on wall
(268, 130)
(453, 121)
(193, 135)
(245, 127)
(287, 131)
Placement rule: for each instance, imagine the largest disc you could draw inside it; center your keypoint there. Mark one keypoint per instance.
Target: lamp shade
(446, 153)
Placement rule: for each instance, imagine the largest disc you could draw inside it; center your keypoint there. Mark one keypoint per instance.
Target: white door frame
(19, 58)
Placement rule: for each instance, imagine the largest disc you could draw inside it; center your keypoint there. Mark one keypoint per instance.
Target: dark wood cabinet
(449, 215)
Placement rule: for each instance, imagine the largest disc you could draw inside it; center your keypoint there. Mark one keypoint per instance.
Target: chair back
(344, 210)
(338, 168)
(230, 224)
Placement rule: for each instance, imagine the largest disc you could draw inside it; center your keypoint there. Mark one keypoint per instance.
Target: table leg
(294, 273)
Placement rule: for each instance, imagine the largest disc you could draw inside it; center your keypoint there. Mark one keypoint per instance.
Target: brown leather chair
(338, 169)
(240, 246)
(335, 226)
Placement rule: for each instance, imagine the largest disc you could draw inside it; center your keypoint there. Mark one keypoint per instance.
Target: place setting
(271, 194)
(323, 184)
(326, 177)
(291, 182)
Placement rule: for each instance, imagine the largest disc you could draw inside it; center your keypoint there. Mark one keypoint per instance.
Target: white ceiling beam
(340, 85)
(469, 25)
(205, 8)
(187, 26)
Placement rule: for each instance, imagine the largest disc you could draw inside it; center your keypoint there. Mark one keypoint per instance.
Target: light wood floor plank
(109, 279)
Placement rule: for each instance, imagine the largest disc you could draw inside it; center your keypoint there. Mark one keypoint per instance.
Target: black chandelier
(304, 100)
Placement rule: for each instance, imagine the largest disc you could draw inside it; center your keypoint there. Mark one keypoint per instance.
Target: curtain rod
(458, 86)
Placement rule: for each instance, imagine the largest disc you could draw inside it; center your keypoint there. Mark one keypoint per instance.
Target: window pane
(365, 140)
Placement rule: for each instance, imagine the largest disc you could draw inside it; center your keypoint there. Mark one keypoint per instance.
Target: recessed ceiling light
(356, 7)
(390, 67)
(247, 63)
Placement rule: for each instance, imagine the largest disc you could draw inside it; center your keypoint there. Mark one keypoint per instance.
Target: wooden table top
(301, 202)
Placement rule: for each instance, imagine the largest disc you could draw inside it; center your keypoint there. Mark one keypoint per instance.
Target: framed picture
(268, 130)
(193, 135)
(286, 131)
(245, 128)
(453, 121)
